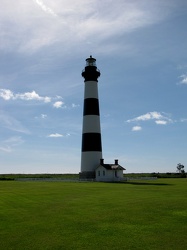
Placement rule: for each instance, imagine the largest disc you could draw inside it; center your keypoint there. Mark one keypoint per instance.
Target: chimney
(101, 161)
(116, 162)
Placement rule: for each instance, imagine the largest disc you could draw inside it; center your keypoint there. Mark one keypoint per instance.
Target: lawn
(71, 215)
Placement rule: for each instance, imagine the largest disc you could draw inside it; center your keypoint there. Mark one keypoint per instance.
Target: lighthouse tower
(91, 132)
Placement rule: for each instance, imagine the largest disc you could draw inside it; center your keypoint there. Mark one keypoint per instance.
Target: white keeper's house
(109, 172)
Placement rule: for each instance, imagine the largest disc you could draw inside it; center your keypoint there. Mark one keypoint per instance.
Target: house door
(116, 173)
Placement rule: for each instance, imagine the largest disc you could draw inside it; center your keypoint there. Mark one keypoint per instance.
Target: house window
(103, 172)
(98, 173)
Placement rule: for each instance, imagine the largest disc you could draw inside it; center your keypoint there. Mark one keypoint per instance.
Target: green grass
(64, 215)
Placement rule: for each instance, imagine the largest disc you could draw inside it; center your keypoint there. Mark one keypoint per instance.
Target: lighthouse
(91, 152)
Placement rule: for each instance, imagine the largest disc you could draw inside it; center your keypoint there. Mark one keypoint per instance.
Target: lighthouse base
(87, 175)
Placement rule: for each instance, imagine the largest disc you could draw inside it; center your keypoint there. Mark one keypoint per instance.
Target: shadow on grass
(144, 183)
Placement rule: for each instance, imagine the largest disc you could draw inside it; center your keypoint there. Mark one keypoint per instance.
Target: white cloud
(147, 116)
(32, 96)
(184, 79)
(136, 128)
(45, 8)
(161, 118)
(8, 145)
(161, 122)
(14, 141)
(183, 119)
(182, 66)
(56, 135)
(6, 149)
(58, 104)
(76, 23)
(58, 97)
(13, 124)
(7, 94)
(43, 116)
(73, 105)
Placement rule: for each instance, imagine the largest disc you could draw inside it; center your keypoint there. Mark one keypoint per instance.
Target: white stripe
(91, 90)
(91, 124)
(90, 160)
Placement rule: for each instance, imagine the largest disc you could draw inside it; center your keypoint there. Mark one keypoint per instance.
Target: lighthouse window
(103, 172)
(91, 62)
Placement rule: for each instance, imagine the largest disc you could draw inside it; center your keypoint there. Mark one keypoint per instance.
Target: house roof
(112, 166)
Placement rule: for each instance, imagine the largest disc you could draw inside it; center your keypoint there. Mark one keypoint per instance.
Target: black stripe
(91, 106)
(91, 142)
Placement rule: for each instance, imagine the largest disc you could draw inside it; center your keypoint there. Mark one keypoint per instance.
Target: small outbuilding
(109, 172)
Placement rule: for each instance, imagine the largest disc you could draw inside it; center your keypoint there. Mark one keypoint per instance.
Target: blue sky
(141, 51)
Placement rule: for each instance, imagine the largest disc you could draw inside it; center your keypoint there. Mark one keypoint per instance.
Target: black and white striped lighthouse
(91, 131)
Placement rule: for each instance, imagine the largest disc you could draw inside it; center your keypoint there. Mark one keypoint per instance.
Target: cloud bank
(7, 94)
(37, 24)
(159, 118)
